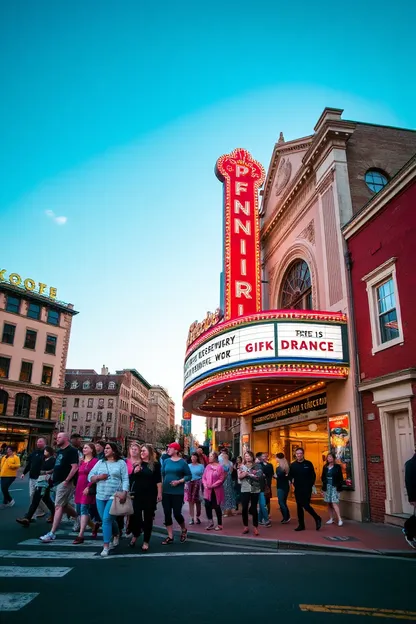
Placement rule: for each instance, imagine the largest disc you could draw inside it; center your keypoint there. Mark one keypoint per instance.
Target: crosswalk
(27, 552)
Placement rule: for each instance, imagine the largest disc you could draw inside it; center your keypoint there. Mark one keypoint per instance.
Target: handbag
(121, 509)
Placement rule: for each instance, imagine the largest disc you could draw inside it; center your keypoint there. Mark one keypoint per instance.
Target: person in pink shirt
(134, 457)
(84, 497)
(213, 479)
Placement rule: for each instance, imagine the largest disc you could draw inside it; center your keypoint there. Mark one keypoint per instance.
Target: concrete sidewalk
(357, 537)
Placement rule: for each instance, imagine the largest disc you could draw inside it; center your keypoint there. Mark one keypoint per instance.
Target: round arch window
(375, 180)
(296, 291)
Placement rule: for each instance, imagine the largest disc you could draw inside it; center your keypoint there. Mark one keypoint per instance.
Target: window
(107, 430)
(100, 402)
(44, 408)
(99, 385)
(74, 416)
(110, 402)
(90, 403)
(26, 372)
(64, 402)
(76, 402)
(375, 180)
(33, 311)
(74, 385)
(53, 317)
(50, 344)
(109, 416)
(4, 398)
(4, 367)
(73, 429)
(47, 375)
(112, 385)
(30, 340)
(13, 304)
(87, 430)
(22, 405)
(89, 416)
(296, 291)
(8, 333)
(384, 307)
(86, 385)
(99, 417)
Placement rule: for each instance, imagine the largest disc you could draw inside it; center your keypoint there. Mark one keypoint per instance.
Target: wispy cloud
(57, 220)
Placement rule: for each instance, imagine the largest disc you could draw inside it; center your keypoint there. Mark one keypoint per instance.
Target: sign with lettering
(316, 403)
(242, 177)
(340, 445)
(28, 284)
(267, 342)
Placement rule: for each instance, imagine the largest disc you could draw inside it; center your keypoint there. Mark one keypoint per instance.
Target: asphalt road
(191, 582)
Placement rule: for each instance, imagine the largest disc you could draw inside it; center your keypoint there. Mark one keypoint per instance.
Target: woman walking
(213, 480)
(146, 487)
(193, 489)
(250, 475)
(85, 493)
(134, 457)
(283, 486)
(42, 488)
(175, 473)
(228, 505)
(10, 462)
(332, 480)
(110, 475)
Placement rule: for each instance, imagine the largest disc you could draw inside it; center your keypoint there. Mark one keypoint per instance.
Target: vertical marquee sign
(242, 177)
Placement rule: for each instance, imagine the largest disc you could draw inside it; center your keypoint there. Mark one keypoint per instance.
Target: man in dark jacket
(302, 475)
(33, 467)
(410, 482)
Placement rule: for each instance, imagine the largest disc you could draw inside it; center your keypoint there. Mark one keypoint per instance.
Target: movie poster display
(340, 445)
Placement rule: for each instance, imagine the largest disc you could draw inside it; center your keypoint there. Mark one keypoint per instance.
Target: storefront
(23, 434)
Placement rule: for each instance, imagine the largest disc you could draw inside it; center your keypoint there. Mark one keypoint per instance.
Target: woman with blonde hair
(146, 488)
(250, 475)
(283, 486)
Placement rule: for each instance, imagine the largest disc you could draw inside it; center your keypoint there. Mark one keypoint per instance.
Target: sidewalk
(366, 538)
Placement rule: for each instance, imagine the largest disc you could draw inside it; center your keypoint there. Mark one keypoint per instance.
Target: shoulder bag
(121, 509)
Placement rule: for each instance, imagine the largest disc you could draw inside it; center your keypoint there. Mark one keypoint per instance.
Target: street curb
(282, 545)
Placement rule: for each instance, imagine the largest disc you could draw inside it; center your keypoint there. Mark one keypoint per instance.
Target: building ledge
(388, 380)
(395, 519)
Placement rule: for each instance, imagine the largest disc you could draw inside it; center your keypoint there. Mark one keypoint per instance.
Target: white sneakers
(105, 552)
(340, 523)
(331, 521)
(49, 537)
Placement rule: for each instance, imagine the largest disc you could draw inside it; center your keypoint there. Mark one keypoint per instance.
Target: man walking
(410, 482)
(302, 474)
(66, 467)
(33, 467)
(264, 488)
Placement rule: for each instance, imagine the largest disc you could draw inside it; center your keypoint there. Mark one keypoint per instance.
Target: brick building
(35, 329)
(381, 245)
(112, 406)
(159, 414)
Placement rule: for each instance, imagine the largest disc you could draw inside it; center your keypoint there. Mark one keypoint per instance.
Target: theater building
(381, 245)
(280, 354)
(35, 329)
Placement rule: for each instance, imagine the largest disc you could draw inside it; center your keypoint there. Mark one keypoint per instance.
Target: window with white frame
(383, 300)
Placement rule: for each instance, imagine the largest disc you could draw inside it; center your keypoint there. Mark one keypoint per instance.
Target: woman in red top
(213, 479)
(83, 497)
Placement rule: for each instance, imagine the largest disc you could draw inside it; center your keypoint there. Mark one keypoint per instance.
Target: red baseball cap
(175, 446)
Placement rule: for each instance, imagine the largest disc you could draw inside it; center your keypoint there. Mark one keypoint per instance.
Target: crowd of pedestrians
(97, 487)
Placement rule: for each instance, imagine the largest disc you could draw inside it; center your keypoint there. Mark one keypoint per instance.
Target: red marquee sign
(242, 177)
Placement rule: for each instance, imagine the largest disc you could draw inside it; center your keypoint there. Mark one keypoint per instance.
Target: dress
(331, 495)
(229, 492)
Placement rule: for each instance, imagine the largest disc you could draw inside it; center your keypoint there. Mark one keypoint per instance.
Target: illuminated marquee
(28, 284)
(242, 177)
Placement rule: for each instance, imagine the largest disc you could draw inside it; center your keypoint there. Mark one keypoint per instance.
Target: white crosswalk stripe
(32, 572)
(15, 600)
(47, 554)
(61, 542)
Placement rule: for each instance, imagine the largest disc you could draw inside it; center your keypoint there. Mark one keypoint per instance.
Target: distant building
(111, 406)
(171, 412)
(159, 415)
(35, 329)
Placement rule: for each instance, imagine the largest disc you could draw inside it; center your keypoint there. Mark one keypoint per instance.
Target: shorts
(63, 494)
(83, 509)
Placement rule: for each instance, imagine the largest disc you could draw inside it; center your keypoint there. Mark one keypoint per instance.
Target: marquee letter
(284, 344)
(243, 288)
(41, 288)
(29, 284)
(241, 170)
(15, 279)
(240, 186)
(243, 250)
(238, 225)
(2, 278)
(243, 266)
(239, 206)
(52, 292)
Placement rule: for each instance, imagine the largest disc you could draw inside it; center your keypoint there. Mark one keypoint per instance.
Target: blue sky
(112, 116)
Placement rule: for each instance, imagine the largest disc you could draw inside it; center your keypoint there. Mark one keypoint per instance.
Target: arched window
(44, 408)
(22, 405)
(296, 291)
(4, 397)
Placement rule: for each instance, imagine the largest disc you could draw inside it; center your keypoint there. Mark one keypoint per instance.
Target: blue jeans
(83, 510)
(282, 498)
(263, 515)
(110, 526)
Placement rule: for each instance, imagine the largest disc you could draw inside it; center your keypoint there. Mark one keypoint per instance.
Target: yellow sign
(28, 284)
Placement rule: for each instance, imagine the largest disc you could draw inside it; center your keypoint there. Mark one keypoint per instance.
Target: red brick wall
(376, 147)
(373, 447)
(390, 234)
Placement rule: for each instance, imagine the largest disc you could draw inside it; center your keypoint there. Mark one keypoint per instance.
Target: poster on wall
(340, 446)
(245, 442)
